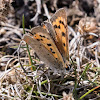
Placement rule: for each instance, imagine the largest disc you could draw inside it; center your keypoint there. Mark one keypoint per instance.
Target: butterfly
(51, 42)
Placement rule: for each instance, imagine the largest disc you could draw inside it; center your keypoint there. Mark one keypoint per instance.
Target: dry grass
(23, 76)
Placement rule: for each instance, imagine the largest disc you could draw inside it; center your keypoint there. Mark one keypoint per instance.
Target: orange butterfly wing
(59, 23)
(42, 36)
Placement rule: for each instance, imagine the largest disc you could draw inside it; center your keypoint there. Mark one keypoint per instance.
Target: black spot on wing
(63, 34)
(53, 52)
(40, 35)
(43, 36)
(61, 22)
(41, 39)
(64, 44)
(51, 49)
(55, 26)
(59, 26)
(38, 39)
(49, 44)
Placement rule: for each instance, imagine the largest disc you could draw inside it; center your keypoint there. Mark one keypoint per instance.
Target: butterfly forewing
(59, 23)
(42, 36)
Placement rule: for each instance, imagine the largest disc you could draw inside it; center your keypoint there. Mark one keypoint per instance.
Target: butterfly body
(50, 41)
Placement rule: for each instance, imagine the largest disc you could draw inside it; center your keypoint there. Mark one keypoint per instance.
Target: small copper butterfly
(50, 41)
